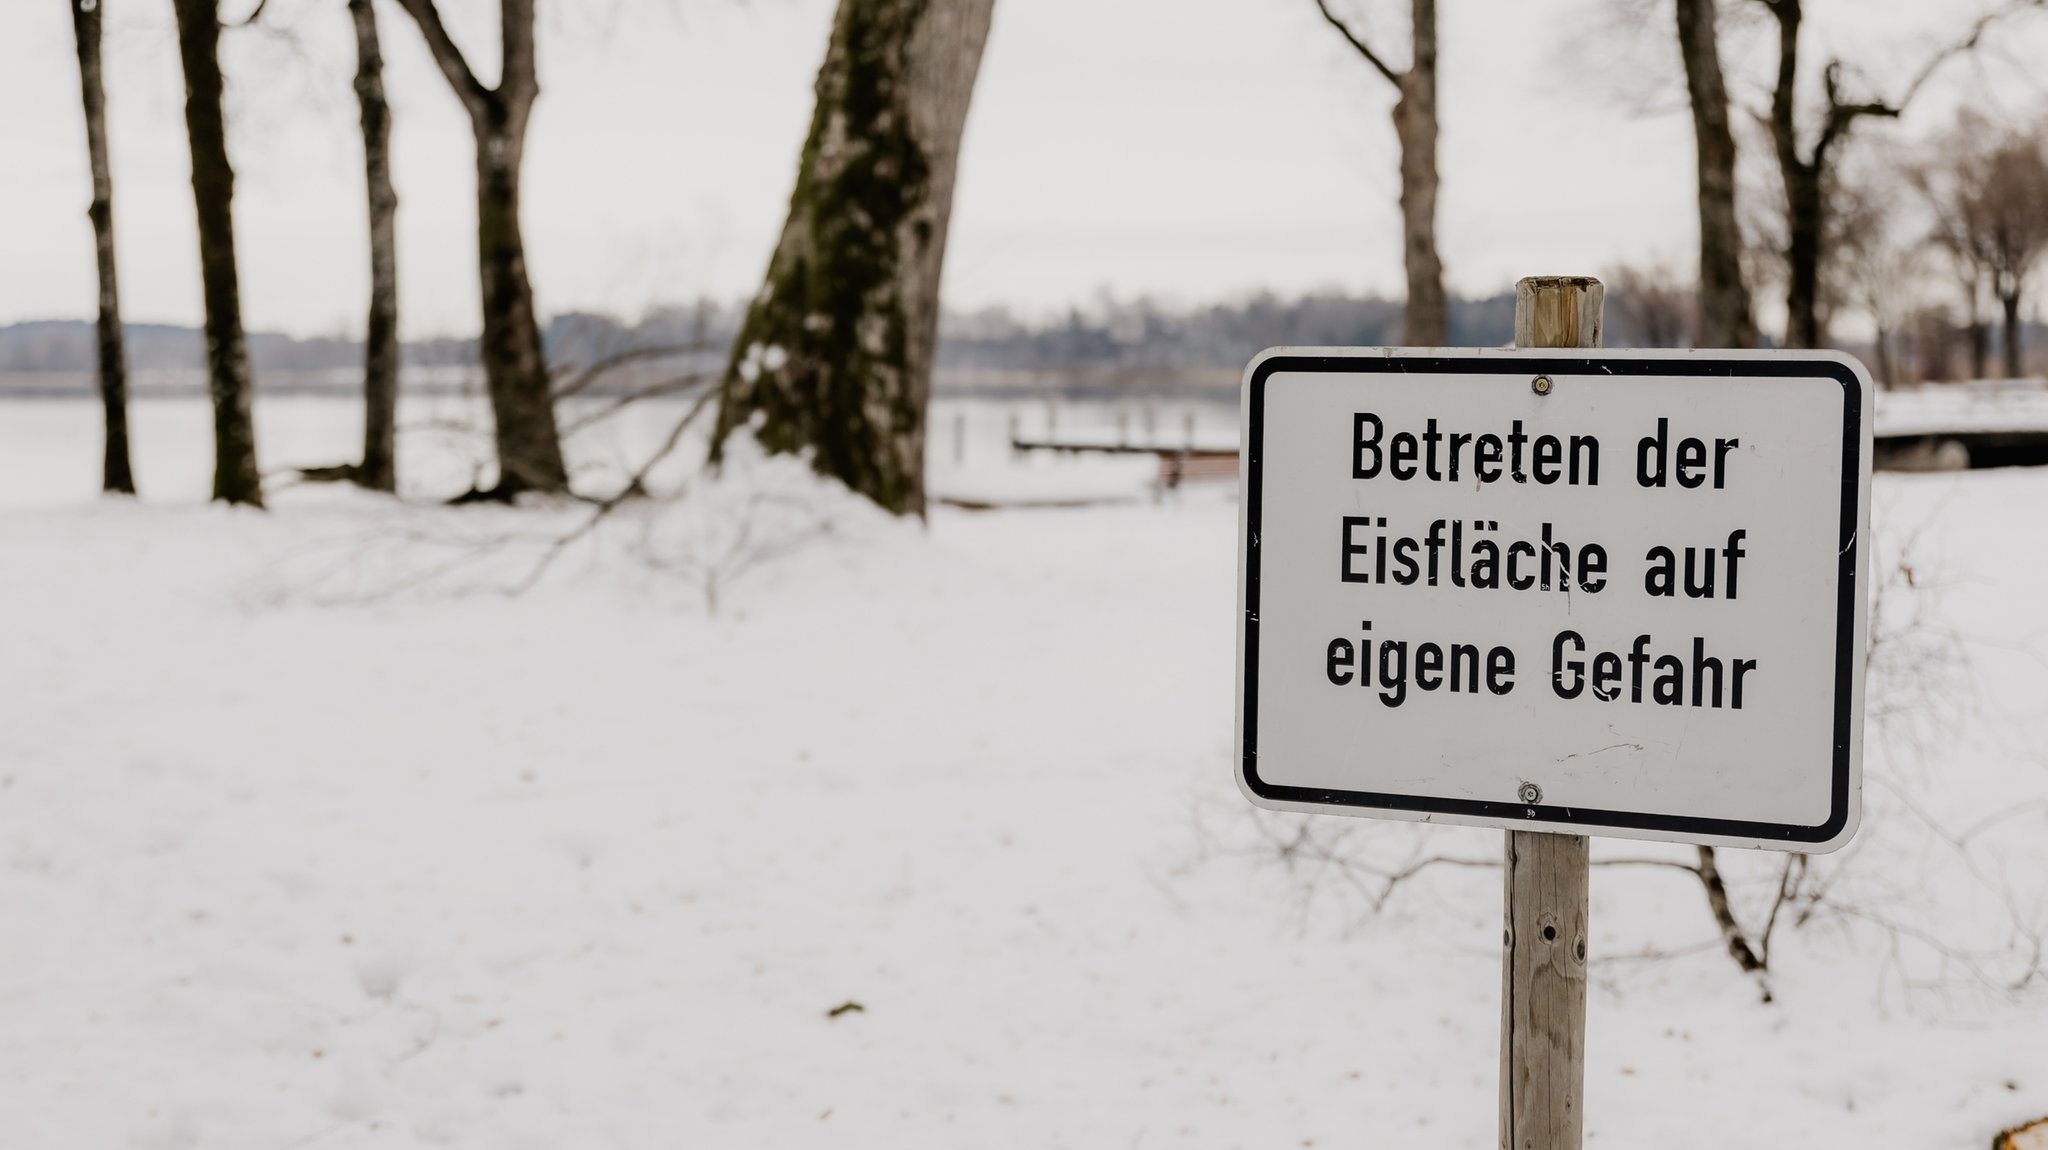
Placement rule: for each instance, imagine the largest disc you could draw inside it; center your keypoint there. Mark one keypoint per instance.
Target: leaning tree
(834, 358)
(515, 370)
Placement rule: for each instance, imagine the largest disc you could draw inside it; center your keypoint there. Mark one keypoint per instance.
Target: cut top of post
(1558, 311)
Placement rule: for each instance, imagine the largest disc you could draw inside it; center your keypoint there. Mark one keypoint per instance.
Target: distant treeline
(1110, 335)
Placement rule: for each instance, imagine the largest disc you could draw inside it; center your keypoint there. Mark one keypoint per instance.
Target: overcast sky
(1184, 149)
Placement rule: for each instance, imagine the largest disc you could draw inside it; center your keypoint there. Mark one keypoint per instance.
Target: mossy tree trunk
(213, 184)
(515, 371)
(116, 474)
(1426, 317)
(834, 357)
(379, 468)
(1725, 315)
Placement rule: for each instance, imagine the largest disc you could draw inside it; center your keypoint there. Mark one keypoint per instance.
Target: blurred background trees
(1818, 219)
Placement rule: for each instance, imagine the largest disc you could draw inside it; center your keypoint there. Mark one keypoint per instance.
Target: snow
(313, 836)
(1983, 406)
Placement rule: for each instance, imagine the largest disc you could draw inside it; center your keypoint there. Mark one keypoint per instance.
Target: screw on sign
(1558, 591)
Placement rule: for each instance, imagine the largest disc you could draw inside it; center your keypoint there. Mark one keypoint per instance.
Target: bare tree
(1427, 318)
(379, 467)
(213, 182)
(2014, 198)
(1804, 175)
(1873, 269)
(835, 354)
(1652, 305)
(1988, 191)
(1725, 315)
(1933, 337)
(116, 474)
(1942, 180)
(515, 372)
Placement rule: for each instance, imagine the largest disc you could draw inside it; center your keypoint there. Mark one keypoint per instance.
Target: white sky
(1185, 149)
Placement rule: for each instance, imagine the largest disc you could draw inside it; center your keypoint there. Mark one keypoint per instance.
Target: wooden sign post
(1458, 602)
(1543, 962)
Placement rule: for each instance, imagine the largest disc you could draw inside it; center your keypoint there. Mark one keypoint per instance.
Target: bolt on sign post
(1562, 591)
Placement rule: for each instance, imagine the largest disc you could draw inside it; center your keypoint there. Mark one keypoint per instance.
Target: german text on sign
(1587, 591)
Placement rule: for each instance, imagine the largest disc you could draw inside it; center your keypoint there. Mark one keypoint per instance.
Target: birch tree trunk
(1725, 315)
(834, 357)
(213, 183)
(116, 475)
(515, 371)
(379, 468)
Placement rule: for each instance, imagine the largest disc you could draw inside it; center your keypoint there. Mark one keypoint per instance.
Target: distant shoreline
(1218, 384)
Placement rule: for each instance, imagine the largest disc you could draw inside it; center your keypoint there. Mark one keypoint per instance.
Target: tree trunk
(515, 370)
(1980, 339)
(1803, 222)
(2011, 302)
(1725, 317)
(835, 354)
(1802, 183)
(1885, 371)
(379, 467)
(1426, 320)
(213, 183)
(116, 475)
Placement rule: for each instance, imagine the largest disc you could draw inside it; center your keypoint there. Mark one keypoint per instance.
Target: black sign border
(1564, 364)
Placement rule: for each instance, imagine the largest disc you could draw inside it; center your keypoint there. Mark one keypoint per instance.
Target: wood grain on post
(1558, 311)
(1543, 963)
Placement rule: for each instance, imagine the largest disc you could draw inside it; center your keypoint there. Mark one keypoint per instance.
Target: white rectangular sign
(1586, 591)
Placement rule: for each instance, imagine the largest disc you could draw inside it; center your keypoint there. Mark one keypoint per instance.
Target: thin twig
(1364, 50)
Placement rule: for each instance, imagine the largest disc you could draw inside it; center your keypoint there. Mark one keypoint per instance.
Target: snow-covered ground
(313, 836)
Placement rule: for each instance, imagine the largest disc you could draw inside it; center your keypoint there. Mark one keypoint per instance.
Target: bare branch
(636, 485)
(1364, 50)
(1732, 933)
(1672, 864)
(1788, 889)
(470, 90)
(517, 84)
(1966, 44)
(651, 391)
(597, 369)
